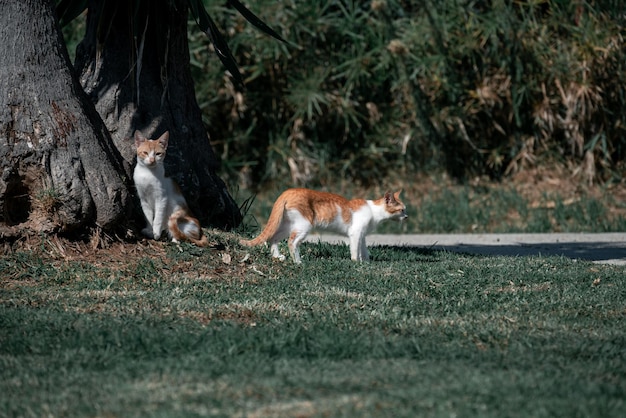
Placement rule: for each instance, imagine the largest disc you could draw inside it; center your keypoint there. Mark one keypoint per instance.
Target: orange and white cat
(162, 202)
(296, 212)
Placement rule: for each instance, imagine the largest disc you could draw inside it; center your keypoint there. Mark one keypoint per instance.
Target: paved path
(608, 248)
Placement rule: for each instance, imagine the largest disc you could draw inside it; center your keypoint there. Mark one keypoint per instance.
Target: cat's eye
(158, 154)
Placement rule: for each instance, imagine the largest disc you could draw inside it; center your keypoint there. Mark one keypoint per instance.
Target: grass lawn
(153, 329)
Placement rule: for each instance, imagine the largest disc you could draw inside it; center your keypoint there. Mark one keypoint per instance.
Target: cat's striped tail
(273, 223)
(184, 227)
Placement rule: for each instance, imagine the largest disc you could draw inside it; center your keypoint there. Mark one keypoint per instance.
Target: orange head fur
(394, 205)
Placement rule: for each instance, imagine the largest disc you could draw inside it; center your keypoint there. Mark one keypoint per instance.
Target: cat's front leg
(156, 230)
(355, 247)
(159, 223)
(147, 232)
(365, 255)
(149, 215)
(358, 247)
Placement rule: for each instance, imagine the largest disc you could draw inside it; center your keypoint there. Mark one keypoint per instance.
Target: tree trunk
(59, 168)
(135, 67)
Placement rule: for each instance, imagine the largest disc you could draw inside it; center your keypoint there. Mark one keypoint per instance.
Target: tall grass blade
(252, 18)
(68, 10)
(209, 27)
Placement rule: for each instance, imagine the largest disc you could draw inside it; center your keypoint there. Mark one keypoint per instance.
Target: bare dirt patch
(115, 253)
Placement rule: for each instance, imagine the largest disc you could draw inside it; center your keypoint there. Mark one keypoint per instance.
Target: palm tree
(66, 152)
(60, 170)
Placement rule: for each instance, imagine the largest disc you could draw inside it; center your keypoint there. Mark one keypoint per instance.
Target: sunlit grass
(190, 332)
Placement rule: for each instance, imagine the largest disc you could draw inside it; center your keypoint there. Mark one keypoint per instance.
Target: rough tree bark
(134, 64)
(59, 170)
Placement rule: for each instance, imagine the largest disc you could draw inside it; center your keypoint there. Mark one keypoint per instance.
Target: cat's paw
(279, 257)
(147, 232)
(156, 235)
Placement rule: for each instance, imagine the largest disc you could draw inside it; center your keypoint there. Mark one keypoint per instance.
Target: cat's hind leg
(295, 239)
(281, 234)
(276, 252)
(299, 228)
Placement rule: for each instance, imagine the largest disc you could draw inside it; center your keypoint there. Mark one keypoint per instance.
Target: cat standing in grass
(298, 211)
(161, 199)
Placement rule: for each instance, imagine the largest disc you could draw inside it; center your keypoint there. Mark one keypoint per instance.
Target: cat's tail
(273, 223)
(184, 227)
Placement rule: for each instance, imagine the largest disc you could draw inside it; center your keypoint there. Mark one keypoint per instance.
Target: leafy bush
(363, 88)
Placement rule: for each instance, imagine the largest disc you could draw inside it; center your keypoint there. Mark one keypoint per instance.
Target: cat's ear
(396, 195)
(163, 139)
(389, 198)
(139, 138)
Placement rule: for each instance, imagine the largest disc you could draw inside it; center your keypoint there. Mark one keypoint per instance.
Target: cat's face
(150, 152)
(394, 206)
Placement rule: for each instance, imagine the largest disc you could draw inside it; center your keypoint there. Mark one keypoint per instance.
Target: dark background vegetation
(376, 94)
(369, 88)
(362, 88)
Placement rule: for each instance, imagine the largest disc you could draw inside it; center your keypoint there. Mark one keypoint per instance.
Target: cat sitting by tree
(298, 211)
(162, 202)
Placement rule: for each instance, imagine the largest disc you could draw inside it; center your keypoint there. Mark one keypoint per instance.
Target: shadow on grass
(614, 252)
(592, 251)
(323, 250)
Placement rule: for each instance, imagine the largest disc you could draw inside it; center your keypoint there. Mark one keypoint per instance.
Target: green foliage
(69, 10)
(417, 332)
(365, 90)
(373, 87)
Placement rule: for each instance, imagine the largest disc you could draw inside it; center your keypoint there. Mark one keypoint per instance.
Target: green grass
(501, 210)
(414, 333)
